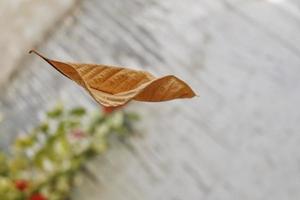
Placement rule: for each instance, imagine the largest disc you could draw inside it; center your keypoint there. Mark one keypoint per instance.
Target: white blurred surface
(23, 23)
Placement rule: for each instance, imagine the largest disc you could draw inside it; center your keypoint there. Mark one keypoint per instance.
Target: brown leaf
(115, 86)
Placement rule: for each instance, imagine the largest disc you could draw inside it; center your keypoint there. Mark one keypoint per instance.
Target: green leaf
(78, 112)
(132, 116)
(24, 142)
(3, 164)
(56, 112)
(44, 127)
(95, 122)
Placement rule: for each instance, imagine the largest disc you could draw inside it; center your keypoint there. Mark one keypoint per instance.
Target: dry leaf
(114, 86)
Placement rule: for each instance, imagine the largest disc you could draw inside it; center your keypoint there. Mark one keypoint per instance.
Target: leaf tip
(35, 52)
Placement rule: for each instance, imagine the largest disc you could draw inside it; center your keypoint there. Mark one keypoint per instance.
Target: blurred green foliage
(47, 160)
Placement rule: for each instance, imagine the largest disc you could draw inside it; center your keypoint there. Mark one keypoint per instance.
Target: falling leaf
(115, 86)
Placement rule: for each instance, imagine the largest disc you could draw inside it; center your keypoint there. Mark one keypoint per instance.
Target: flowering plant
(44, 164)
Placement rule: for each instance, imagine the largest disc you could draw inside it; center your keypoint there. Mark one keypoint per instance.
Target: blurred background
(239, 140)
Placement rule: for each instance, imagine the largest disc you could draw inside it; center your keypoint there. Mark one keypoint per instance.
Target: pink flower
(78, 134)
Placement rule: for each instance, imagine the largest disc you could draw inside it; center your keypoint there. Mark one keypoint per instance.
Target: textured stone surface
(240, 140)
